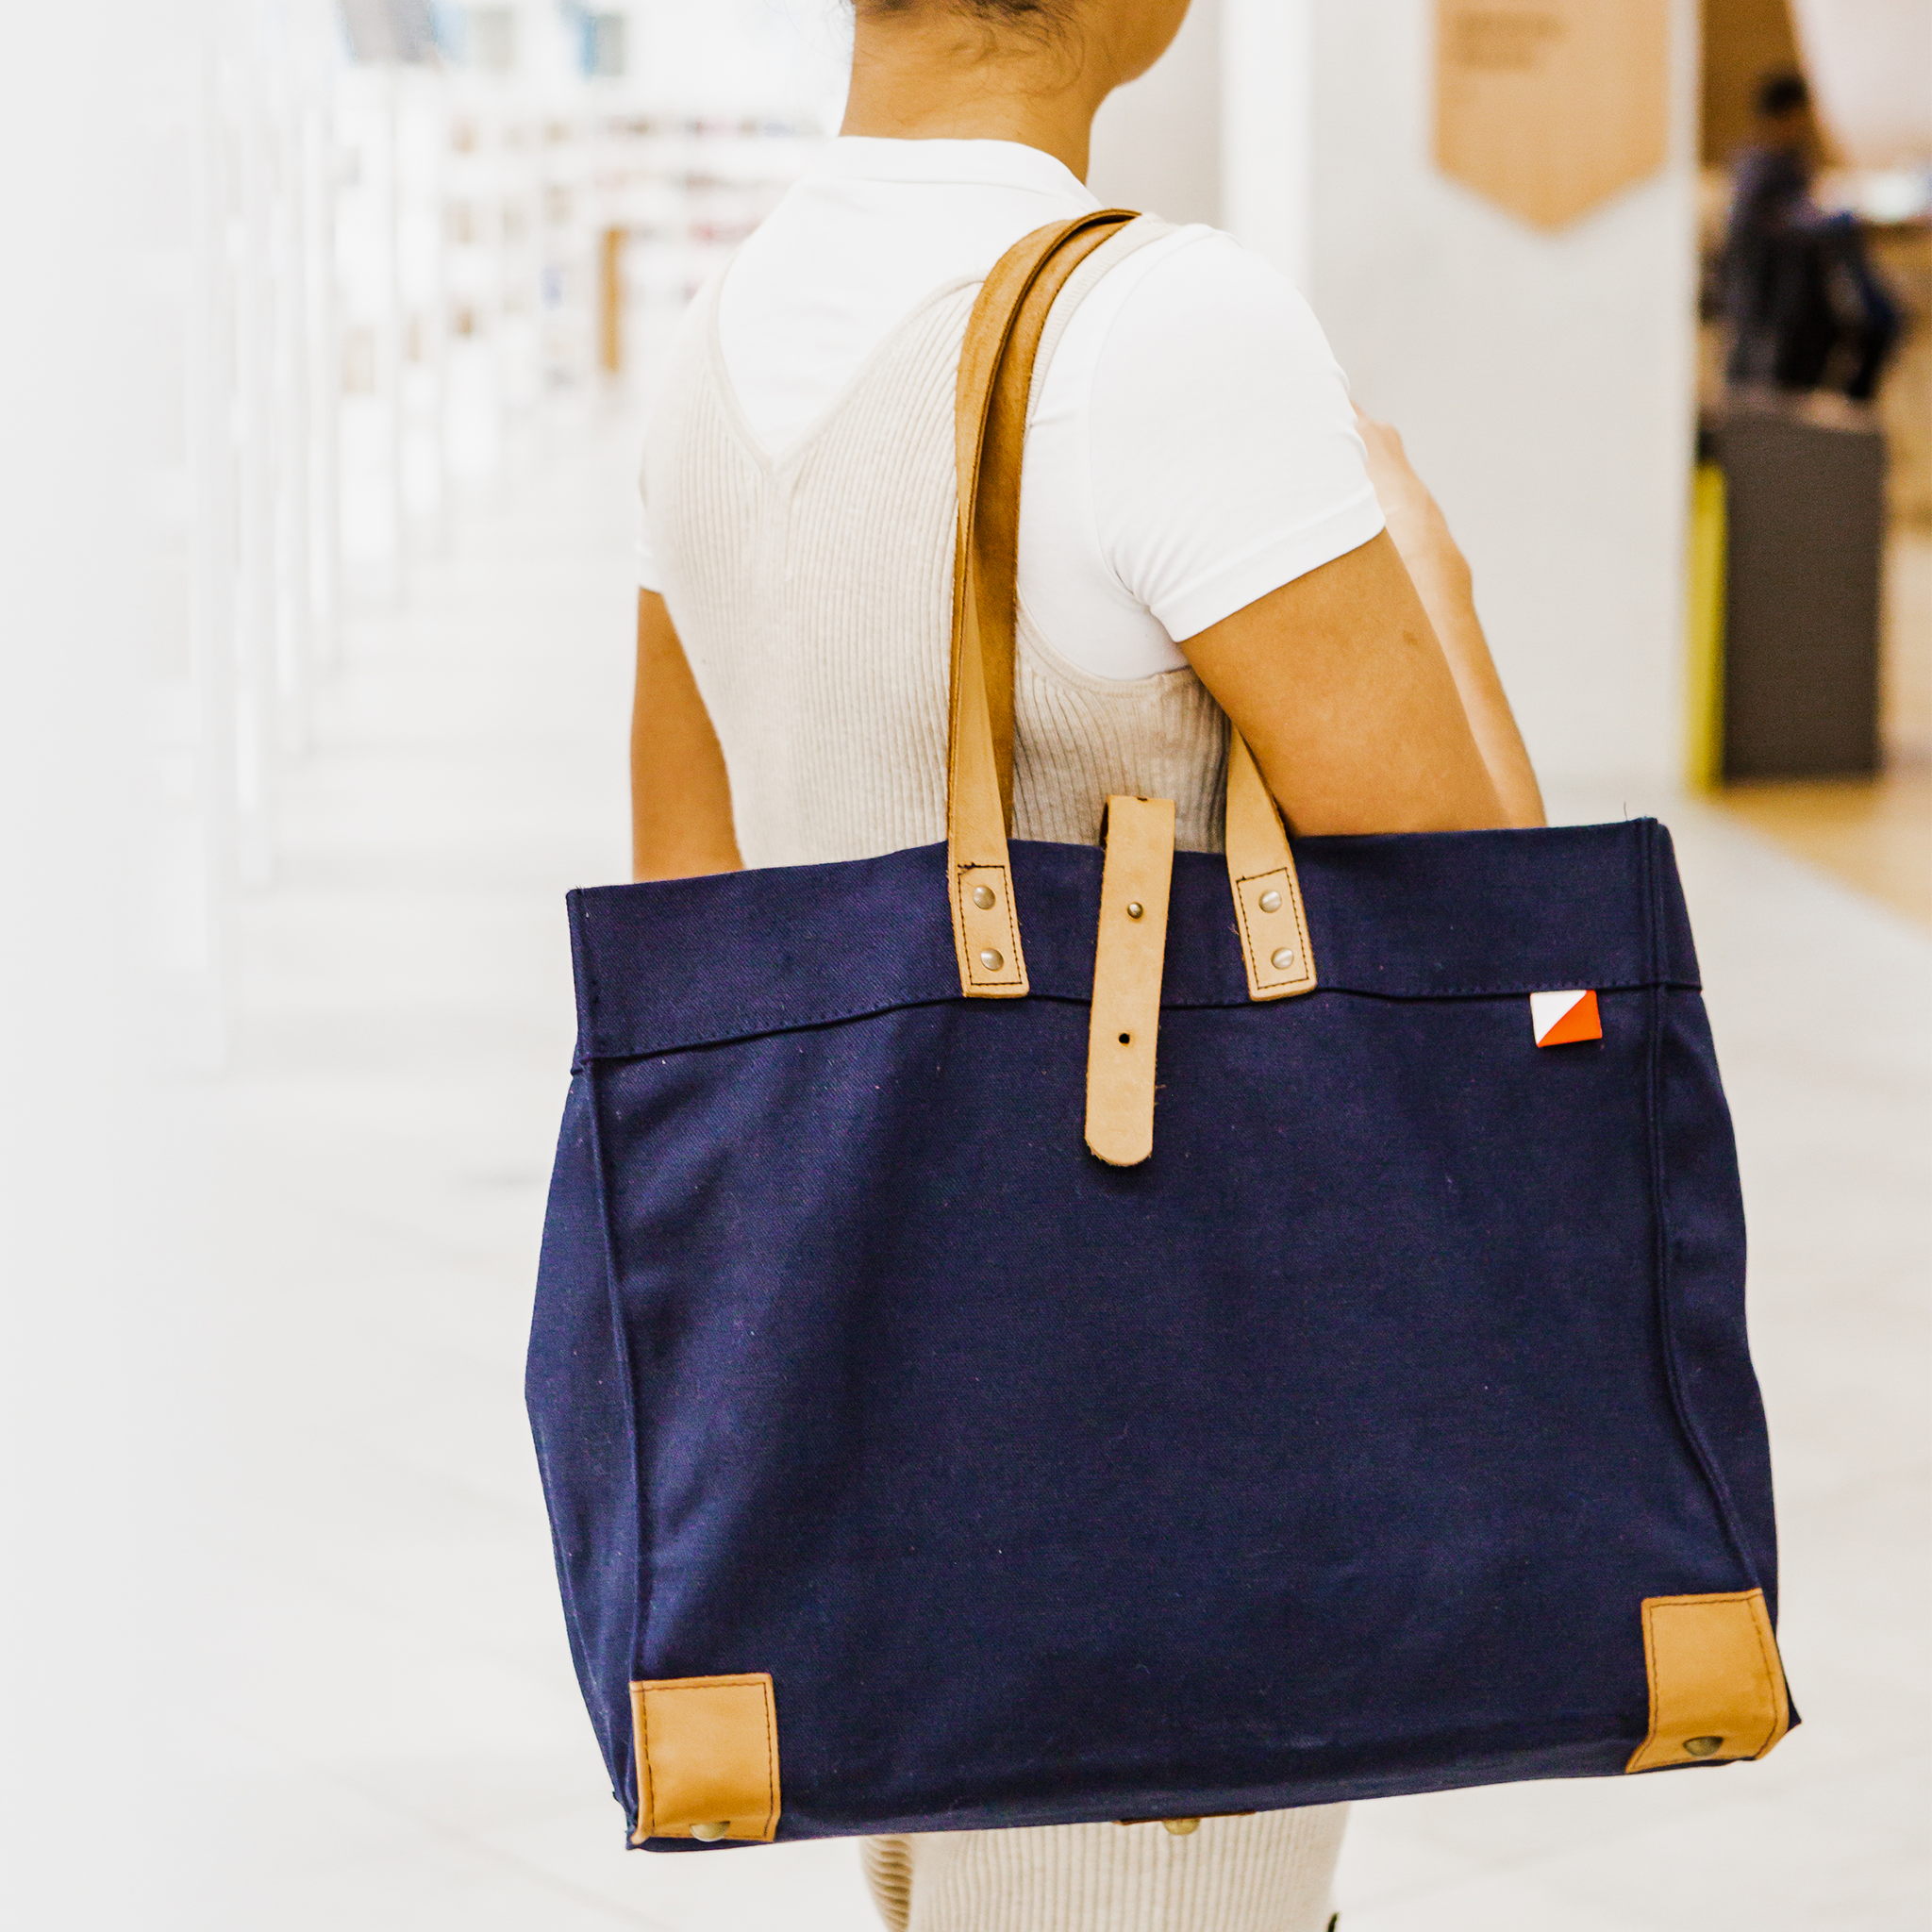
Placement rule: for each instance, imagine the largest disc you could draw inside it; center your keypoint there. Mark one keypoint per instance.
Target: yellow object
(1704, 736)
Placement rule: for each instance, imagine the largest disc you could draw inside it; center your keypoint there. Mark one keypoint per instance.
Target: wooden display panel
(1549, 108)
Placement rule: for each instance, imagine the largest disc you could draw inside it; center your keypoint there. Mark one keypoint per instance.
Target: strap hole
(1127, 1040)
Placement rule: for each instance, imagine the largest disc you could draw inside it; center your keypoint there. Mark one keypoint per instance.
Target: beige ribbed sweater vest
(813, 597)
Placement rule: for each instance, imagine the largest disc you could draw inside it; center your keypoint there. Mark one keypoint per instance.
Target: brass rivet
(710, 1834)
(1182, 1827)
(1270, 902)
(1704, 1747)
(1283, 960)
(982, 897)
(1136, 909)
(990, 960)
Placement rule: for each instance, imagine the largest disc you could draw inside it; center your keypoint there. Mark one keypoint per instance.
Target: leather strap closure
(995, 381)
(1128, 964)
(1269, 914)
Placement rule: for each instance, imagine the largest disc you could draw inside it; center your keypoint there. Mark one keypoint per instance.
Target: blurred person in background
(1207, 530)
(1806, 309)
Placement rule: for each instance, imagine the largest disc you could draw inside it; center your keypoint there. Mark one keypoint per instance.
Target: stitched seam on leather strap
(1248, 948)
(1773, 1671)
(647, 1820)
(1248, 944)
(1250, 940)
(771, 1821)
(1653, 1682)
(1013, 960)
(1301, 919)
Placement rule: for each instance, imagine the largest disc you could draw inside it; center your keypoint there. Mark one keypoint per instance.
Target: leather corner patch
(1717, 1686)
(708, 1758)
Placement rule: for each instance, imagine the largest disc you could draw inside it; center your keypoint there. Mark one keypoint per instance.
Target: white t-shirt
(1190, 449)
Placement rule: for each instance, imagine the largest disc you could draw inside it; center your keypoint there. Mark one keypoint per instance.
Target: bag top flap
(1432, 916)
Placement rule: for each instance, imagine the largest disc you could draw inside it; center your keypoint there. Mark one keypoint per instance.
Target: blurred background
(329, 335)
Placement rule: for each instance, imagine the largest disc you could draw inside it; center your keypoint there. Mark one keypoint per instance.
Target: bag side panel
(1704, 1274)
(577, 1388)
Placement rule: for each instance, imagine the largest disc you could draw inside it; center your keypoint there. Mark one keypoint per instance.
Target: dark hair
(1783, 92)
(1036, 13)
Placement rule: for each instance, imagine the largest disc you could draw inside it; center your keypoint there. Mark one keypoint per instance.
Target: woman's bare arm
(1365, 690)
(1344, 696)
(1366, 710)
(680, 797)
(1441, 574)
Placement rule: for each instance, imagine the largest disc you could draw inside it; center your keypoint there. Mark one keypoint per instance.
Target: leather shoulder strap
(995, 376)
(1002, 340)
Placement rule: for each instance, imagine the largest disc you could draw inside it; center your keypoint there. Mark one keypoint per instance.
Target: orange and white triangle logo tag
(1560, 1018)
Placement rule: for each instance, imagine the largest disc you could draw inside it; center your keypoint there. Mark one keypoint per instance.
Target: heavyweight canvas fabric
(1330, 1454)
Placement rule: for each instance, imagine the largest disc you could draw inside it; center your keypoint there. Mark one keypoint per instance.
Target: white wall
(729, 57)
(1154, 147)
(1871, 61)
(1545, 384)
(1267, 131)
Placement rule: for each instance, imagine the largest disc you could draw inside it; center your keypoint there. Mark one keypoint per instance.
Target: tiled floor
(1875, 834)
(412, 1752)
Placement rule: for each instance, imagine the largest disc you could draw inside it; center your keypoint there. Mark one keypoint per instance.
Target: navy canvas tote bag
(938, 1433)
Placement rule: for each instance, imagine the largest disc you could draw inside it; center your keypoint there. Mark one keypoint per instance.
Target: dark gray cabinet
(1804, 604)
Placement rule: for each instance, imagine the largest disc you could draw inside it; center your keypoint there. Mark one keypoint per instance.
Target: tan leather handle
(1003, 339)
(1269, 914)
(995, 388)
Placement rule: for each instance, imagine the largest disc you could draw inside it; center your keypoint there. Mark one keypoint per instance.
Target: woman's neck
(936, 76)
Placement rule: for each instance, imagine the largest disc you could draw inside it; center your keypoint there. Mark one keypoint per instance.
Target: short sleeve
(1224, 456)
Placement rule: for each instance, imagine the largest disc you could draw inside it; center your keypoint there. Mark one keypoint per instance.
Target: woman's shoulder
(1199, 289)
(1189, 312)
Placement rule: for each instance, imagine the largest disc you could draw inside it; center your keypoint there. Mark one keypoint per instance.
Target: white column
(1546, 383)
(1871, 61)
(1267, 136)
